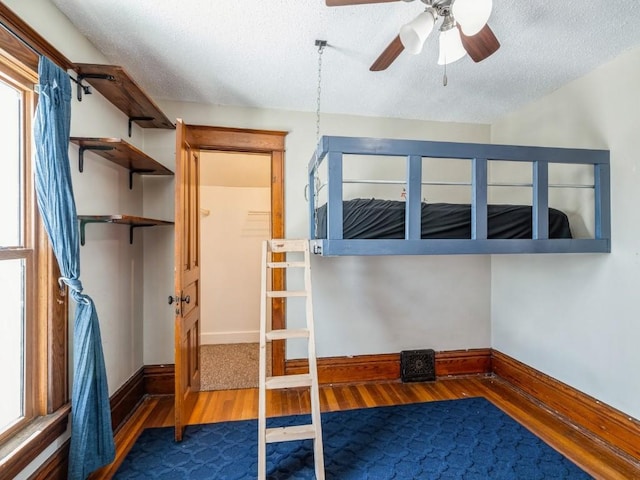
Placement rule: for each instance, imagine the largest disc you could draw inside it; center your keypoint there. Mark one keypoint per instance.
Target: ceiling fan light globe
(471, 15)
(415, 33)
(451, 48)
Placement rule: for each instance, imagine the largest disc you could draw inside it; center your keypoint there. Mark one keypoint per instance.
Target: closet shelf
(121, 153)
(115, 84)
(132, 221)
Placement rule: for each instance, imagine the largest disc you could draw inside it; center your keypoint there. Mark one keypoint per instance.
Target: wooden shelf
(130, 220)
(121, 153)
(120, 89)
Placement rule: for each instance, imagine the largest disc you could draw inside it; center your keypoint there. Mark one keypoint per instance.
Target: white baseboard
(218, 338)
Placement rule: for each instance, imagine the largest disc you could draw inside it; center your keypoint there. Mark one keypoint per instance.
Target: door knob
(175, 299)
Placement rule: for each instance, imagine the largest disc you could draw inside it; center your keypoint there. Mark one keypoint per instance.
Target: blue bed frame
(332, 149)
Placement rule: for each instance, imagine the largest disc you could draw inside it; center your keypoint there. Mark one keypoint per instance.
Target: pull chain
(444, 77)
(316, 179)
(320, 44)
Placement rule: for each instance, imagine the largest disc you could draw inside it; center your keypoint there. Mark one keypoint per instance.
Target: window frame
(48, 340)
(27, 250)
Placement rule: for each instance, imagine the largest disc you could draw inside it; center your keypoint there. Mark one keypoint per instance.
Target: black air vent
(418, 365)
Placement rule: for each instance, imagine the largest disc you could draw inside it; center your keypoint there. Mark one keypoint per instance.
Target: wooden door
(187, 280)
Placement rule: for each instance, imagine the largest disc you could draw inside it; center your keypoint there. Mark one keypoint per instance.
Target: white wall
(231, 242)
(575, 317)
(363, 305)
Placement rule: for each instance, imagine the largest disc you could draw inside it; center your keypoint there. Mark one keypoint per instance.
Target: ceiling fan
(464, 30)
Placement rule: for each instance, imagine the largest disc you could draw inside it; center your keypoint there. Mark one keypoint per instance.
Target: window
(33, 326)
(17, 255)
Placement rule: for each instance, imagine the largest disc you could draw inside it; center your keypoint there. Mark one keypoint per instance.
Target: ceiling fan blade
(342, 3)
(481, 45)
(389, 55)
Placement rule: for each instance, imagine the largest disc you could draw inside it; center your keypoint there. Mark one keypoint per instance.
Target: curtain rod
(18, 28)
(23, 42)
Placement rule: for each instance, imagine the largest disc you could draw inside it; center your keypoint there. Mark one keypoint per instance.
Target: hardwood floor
(590, 454)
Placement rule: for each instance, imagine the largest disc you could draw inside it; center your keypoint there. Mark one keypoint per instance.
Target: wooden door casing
(187, 280)
(269, 142)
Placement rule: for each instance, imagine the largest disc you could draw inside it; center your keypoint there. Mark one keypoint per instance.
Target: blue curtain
(92, 443)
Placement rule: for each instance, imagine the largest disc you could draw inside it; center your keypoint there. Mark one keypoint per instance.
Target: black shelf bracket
(131, 227)
(80, 88)
(103, 148)
(86, 89)
(133, 170)
(135, 119)
(83, 224)
(85, 221)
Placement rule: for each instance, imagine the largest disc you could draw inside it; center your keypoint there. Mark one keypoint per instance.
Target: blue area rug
(458, 439)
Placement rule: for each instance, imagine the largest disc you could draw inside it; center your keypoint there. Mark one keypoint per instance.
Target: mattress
(373, 218)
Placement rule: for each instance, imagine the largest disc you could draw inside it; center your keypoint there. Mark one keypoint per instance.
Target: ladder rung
(288, 333)
(279, 246)
(287, 434)
(286, 264)
(288, 381)
(286, 293)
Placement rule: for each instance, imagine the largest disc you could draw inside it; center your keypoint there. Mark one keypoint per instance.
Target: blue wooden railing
(332, 149)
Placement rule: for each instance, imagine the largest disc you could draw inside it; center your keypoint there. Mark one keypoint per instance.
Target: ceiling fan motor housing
(443, 7)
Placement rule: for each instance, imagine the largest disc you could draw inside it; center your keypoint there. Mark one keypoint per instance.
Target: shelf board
(121, 153)
(124, 220)
(119, 88)
(130, 220)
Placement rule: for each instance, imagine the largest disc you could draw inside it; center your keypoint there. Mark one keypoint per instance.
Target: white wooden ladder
(310, 380)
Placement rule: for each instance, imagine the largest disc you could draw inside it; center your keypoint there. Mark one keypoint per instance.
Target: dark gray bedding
(371, 218)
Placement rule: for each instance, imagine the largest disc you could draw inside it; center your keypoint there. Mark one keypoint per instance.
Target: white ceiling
(260, 53)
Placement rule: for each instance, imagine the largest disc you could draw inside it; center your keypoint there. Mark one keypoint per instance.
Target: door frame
(268, 142)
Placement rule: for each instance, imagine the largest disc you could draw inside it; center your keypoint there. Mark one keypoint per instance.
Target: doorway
(261, 142)
(235, 218)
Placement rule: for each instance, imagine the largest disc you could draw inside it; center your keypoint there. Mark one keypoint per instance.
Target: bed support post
(413, 213)
(479, 207)
(602, 196)
(334, 196)
(540, 210)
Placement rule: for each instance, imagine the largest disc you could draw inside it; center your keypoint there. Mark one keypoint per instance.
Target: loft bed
(369, 227)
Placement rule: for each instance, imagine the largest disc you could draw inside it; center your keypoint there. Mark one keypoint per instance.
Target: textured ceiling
(259, 53)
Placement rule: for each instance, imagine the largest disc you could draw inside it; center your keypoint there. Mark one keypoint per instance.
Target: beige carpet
(229, 367)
